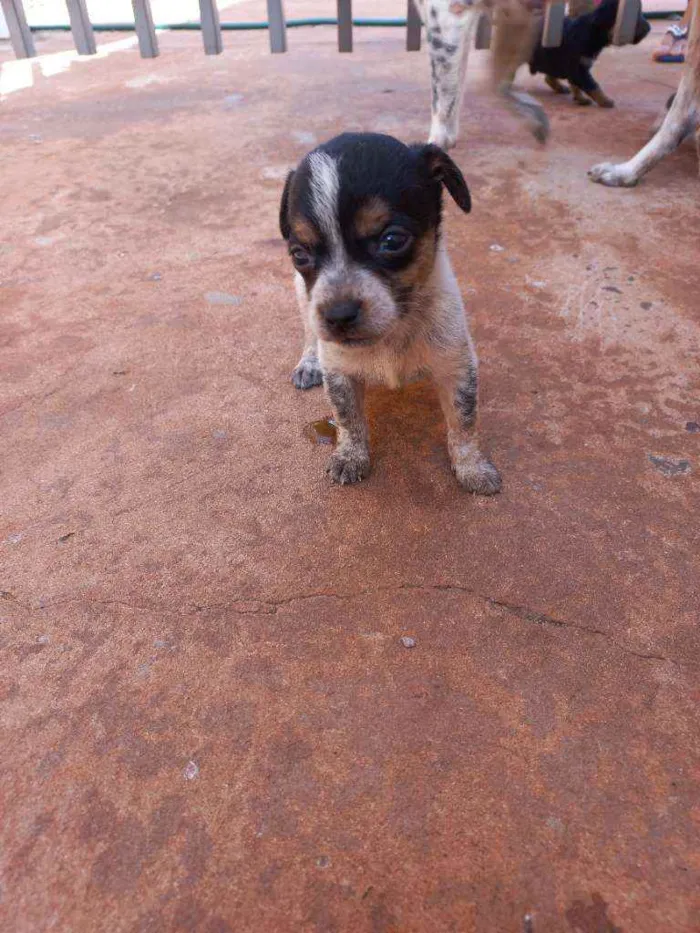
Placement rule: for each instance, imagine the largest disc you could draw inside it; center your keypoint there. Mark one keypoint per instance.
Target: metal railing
(211, 28)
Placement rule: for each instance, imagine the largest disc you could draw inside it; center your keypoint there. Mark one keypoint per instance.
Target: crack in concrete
(272, 606)
(524, 613)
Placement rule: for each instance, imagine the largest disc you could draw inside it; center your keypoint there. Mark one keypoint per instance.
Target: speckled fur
(413, 318)
(436, 343)
(450, 28)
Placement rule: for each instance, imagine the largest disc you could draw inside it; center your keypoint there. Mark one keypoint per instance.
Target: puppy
(378, 298)
(583, 40)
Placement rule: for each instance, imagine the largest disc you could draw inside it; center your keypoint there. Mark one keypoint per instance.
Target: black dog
(583, 40)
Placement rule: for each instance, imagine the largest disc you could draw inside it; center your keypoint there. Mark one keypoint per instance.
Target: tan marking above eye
(372, 217)
(305, 232)
(422, 264)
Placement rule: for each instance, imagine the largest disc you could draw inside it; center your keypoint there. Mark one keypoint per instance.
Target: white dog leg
(450, 26)
(680, 120)
(674, 129)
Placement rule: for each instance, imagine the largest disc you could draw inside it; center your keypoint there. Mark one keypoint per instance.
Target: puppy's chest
(387, 366)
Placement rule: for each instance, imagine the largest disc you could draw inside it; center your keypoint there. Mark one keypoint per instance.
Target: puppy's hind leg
(457, 386)
(601, 98)
(308, 370)
(586, 88)
(450, 26)
(579, 97)
(556, 85)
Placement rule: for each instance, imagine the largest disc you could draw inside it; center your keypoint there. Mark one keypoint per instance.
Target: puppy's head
(361, 217)
(604, 17)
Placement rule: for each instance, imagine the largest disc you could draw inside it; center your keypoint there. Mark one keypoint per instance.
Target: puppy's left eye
(394, 242)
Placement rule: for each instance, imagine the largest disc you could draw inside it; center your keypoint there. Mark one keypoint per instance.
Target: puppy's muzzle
(342, 317)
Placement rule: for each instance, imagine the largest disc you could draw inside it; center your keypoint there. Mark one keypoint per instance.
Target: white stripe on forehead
(325, 189)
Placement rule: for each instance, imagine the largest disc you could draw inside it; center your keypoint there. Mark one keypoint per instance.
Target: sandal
(672, 51)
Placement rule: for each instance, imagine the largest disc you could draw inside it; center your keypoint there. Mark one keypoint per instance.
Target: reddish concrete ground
(209, 721)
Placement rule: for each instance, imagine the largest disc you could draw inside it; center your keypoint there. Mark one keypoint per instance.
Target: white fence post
(413, 27)
(277, 26)
(345, 25)
(626, 21)
(143, 21)
(211, 30)
(81, 27)
(16, 27)
(553, 25)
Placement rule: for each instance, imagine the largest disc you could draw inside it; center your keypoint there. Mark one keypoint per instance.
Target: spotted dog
(450, 26)
(681, 120)
(378, 298)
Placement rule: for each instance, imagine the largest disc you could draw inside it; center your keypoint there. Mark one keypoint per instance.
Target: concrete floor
(209, 721)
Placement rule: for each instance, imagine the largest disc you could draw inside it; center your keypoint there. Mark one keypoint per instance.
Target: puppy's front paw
(477, 475)
(308, 373)
(582, 101)
(349, 466)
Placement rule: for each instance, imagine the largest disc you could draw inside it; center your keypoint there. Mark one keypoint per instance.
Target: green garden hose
(290, 23)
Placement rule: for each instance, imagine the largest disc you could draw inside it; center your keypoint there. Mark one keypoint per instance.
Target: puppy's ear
(285, 229)
(442, 169)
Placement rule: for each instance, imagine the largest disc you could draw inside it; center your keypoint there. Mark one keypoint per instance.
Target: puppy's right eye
(301, 258)
(394, 242)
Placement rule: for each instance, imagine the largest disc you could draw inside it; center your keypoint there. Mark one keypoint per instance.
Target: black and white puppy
(378, 298)
(583, 40)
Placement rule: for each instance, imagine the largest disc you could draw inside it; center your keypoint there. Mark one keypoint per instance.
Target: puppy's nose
(343, 313)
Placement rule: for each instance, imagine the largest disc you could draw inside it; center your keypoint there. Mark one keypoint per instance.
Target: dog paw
(539, 126)
(441, 136)
(606, 102)
(307, 374)
(583, 101)
(529, 109)
(349, 467)
(614, 176)
(479, 476)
